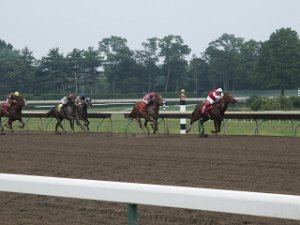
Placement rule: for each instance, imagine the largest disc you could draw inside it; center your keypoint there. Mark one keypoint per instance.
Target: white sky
(44, 24)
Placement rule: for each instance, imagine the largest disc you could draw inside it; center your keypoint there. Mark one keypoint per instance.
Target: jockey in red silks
(213, 97)
(149, 98)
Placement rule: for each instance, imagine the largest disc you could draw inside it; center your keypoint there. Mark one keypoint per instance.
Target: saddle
(205, 109)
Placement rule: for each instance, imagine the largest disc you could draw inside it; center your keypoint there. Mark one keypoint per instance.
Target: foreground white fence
(226, 201)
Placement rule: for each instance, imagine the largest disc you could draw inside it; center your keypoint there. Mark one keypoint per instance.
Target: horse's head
(228, 98)
(158, 100)
(88, 101)
(21, 101)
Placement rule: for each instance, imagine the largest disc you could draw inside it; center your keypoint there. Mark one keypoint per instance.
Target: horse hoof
(203, 135)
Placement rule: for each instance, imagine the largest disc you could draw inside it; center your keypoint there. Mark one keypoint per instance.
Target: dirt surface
(262, 164)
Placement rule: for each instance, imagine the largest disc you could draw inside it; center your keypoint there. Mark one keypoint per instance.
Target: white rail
(226, 201)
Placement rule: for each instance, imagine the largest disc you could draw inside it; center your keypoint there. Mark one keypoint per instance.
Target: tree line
(114, 69)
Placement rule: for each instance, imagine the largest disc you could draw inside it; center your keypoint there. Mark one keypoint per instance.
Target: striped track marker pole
(182, 104)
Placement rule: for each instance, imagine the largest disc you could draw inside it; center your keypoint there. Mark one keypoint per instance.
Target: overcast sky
(44, 24)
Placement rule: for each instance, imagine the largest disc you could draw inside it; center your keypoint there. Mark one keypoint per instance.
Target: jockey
(11, 98)
(149, 98)
(65, 100)
(213, 97)
(80, 98)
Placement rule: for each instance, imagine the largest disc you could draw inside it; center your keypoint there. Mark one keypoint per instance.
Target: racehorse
(82, 111)
(68, 112)
(216, 113)
(13, 112)
(148, 113)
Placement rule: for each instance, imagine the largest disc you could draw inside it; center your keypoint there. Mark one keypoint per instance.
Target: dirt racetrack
(262, 164)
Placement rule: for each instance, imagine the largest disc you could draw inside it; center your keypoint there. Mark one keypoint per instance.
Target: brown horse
(68, 112)
(13, 112)
(216, 113)
(149, 113)
(82, 111)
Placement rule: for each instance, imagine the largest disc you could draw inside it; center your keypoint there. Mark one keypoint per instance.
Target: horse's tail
(132, 114)
(51, 112)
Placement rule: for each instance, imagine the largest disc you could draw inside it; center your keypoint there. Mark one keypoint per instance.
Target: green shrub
(254, 103)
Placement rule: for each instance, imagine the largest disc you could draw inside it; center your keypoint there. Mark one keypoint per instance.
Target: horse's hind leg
(9, 125)
(140, 123)
(195, 116)
(60, 125)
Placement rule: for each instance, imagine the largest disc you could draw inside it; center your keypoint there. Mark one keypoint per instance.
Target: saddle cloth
(58, 107)
(206, 107)
(5, 107)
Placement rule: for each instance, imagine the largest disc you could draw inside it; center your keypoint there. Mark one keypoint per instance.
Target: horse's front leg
(78, 123)
(145, 125)
(22, 123)
(2, 129)
(217, 125)
(72, 125)
(201, 126)
(86, 124)
(154, 125)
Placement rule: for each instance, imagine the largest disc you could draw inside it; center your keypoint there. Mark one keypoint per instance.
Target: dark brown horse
(13, 112)
(68, 112)
(149, 113)
(216, 113)
(82, 111)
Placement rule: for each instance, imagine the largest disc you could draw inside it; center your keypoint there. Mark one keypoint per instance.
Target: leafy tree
(173, 50)
(74, 61)
(148, 58)
(29, 67)
(222, 58)
(119, 64)
(197, 75)
(278, 63)
(16, 70)
(91, 65)
(53, 73)
(4, 45)
(247, 59)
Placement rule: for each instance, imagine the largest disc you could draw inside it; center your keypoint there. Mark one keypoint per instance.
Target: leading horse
(149, 113)
(82, 111)
(68, 112)
(216, 114)
(13, 112)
